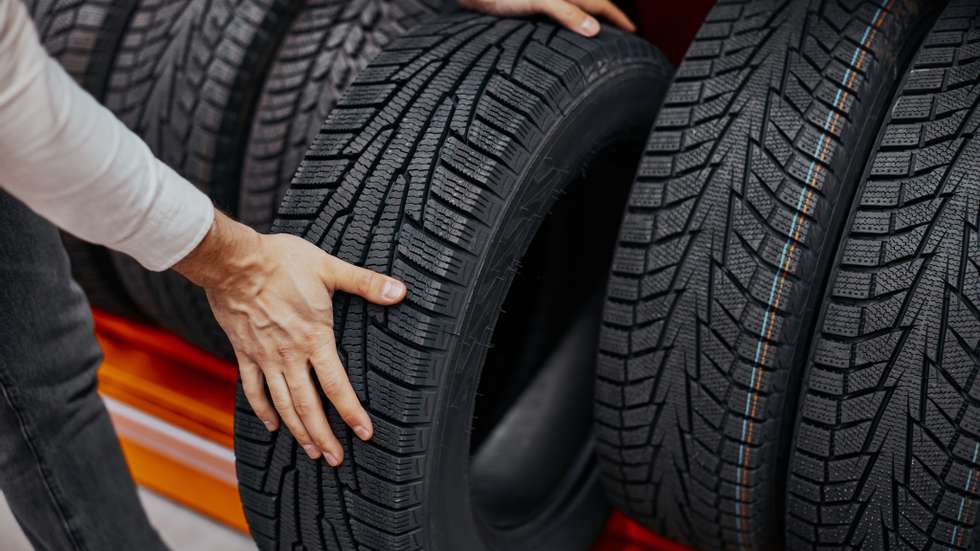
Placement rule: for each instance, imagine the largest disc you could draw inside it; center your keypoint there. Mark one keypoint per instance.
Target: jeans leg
(61, 468)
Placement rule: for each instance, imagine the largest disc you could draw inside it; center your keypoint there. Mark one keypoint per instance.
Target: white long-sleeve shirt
(74, 163)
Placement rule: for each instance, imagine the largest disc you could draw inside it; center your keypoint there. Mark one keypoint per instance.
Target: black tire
(329, 42)
(83, 35)
(885, 450)
(723, 255)
(186, 80)
(439, 165)
(93, 270)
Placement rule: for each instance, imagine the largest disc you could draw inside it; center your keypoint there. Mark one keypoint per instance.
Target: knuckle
(297, 389)
(286, 352)
(349, 415)
(311, 340)
(304, 406)
(322, 441)
(254, 396)
(332, 385)
(281, 402)
(364, 281)
(297, 430)
(257, 406)
(250, 384)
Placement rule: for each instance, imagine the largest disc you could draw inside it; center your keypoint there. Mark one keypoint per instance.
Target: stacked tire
(791, 334)
(888, 434)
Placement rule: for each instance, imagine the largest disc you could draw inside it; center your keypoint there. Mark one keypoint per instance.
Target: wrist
(226, 258)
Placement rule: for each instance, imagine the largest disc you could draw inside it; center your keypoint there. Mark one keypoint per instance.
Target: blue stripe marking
(785, 251)
(966, 487)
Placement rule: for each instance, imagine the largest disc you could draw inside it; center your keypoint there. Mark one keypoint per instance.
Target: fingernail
(589, 26)
(311, 450)
(269, 426)
(331, 459)
(362, 432)
(393, 289)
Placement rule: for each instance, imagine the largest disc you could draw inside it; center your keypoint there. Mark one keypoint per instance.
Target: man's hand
(576, 15)
(272, 294)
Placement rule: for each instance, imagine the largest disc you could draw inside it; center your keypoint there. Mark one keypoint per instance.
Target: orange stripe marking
(784, 269)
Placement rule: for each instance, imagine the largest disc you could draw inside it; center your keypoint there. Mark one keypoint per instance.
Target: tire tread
(883, 450)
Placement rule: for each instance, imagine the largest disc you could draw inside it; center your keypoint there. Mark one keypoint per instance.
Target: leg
(61, 468)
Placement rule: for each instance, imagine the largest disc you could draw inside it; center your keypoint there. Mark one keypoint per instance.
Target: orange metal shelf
(173, 405)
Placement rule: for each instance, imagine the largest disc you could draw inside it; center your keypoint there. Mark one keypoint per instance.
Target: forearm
(73, 162)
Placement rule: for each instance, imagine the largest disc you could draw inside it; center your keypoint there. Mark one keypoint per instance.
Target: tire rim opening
(530, 442)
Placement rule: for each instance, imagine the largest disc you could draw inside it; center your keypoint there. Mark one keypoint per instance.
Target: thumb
(367, 284)
(569, 15)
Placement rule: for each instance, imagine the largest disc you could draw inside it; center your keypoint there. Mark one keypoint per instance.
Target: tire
(885, 448)
(440, 165)
(328, 43)
(723, 254)
(93, 270)
(186, 80)
(83, 35)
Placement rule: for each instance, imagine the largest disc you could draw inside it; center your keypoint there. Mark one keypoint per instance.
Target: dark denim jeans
(61, 468)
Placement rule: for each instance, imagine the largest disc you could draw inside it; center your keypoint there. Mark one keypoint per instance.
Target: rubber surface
(437, 166)
(885, 453)
(82, 35)
(327, 44)
(186, 79)
(92, 268)
(723, 255)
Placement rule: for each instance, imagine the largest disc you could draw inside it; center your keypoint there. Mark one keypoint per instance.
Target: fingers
(609, 11)
(371, 286)
(336, 386)
(576, 15)
(568, 15)
(253, 384)
(308, 407)
(284, 405)
(297, 402)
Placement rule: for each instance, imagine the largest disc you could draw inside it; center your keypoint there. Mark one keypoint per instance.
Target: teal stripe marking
(783, 258)
(966, 488)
